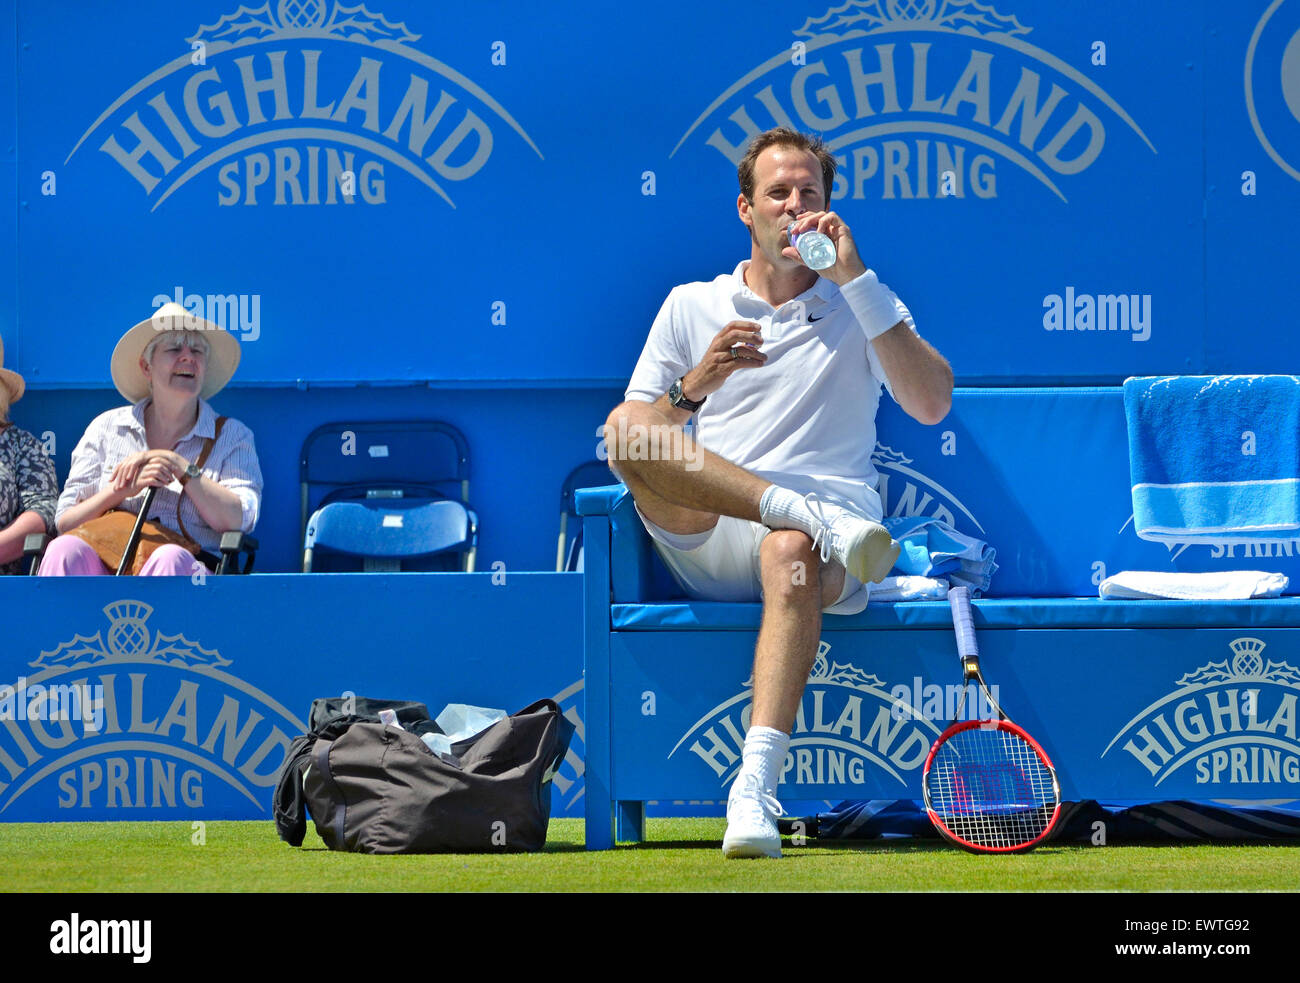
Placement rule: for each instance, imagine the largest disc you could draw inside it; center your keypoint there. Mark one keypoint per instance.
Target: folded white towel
(909, 588)
(1233, 585)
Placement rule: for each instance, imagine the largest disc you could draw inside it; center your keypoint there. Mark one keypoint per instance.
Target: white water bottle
(815, 248)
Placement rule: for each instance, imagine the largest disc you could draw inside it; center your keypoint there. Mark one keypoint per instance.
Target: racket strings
(989, 787)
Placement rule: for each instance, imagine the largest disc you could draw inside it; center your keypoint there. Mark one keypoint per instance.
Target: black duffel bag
(379, 789)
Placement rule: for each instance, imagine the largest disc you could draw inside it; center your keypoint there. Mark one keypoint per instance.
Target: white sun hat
(223, 354)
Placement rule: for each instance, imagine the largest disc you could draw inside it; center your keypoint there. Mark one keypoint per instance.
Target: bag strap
(336, 821)
(208, 444)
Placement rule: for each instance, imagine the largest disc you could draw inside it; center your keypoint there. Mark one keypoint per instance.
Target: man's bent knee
(787, 545)
(790, 566)
(636, 431)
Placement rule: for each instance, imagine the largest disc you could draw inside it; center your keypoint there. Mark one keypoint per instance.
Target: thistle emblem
(128, 635)
(301, 13)
(864, 16)
(129, 640)
(910, 9)
(1245, 659)
(303, 18)
(1247, 665)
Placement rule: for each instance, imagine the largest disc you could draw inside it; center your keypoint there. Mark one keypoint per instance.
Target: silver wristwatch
(678, 398)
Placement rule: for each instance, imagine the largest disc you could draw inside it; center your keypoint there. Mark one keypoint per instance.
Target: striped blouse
(119, 433)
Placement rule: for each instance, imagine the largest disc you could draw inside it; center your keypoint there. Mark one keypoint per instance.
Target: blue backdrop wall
(475, 212)
(472, 213)
(503, 192)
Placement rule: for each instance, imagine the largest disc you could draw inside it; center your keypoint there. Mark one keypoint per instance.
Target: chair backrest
(568, 549)
(382, 459)
(388, 536)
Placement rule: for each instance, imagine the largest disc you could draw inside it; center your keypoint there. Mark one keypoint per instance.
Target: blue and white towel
(931, 548)
(1214, 458)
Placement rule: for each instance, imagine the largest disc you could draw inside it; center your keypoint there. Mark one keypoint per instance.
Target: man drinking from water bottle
(775, 497)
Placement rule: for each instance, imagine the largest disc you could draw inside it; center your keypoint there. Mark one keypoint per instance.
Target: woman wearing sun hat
(28, 487)
(203, 466)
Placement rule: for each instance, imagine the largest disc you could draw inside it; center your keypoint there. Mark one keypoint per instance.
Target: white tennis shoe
(864, 548)
(751, 820)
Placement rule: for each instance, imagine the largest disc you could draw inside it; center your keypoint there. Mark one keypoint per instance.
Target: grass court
(680, 855)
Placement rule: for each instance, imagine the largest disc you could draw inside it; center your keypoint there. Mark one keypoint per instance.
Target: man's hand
(734, 347)
(848, 266)
(155, 467)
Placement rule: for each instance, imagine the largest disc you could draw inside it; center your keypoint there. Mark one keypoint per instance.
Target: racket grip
(962, 622)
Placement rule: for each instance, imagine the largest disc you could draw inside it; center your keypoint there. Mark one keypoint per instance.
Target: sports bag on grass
(330, 717)
(380, 789)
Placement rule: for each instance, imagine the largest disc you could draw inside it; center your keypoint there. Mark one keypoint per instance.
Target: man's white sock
(780, 508)
(764, 755)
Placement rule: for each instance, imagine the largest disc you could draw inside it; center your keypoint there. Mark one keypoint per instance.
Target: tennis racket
(989, 787)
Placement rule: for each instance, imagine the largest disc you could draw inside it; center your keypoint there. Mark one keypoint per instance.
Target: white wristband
(872, 303)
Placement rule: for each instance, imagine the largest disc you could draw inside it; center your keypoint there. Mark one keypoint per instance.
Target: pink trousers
(70, 556)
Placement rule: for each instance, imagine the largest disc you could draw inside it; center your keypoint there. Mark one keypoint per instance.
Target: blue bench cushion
(1057, 612)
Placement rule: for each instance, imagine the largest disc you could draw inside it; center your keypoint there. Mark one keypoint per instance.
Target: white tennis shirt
(806, 419)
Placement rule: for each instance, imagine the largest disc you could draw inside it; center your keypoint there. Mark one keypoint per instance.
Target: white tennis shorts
(723, 564)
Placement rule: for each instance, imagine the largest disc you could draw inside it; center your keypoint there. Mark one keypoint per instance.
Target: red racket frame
(1018, 731)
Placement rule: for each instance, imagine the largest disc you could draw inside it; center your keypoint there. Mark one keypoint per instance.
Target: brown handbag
(109, 534)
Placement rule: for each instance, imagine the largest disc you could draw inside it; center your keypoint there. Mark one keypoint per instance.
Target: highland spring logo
(158, 715)
(920, 99)
(288, 106)
(568, 778)
(1232, 548)
(1233, 721)
(1272, 84)
(906, 492)
(848, 723)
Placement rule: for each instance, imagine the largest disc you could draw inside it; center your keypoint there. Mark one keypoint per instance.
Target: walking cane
(128, 554)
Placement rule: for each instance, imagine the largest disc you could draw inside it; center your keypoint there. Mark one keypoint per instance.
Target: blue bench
(1133, 700)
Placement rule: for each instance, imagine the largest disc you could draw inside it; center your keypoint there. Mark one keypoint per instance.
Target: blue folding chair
(386, 463)
(388, 537)
(568, 553)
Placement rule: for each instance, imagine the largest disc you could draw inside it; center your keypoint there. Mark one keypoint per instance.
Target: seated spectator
(204, 467)
(28, 487)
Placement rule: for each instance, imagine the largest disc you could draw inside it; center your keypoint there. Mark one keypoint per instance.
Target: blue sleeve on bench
(598, 501)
